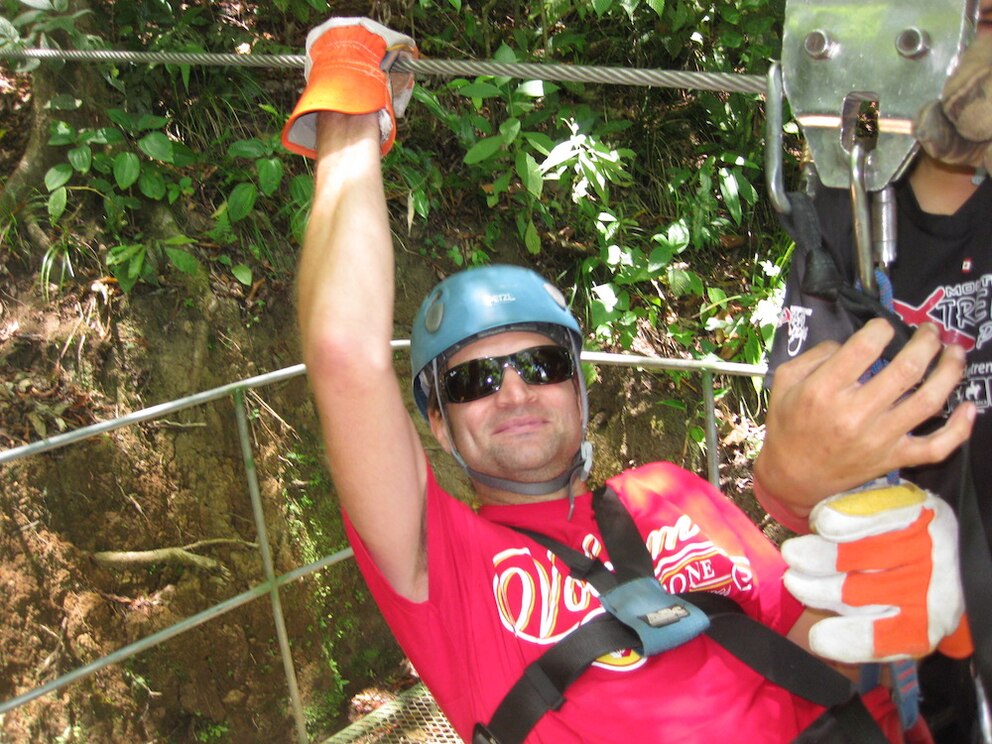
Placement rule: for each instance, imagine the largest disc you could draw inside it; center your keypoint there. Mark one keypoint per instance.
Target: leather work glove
(957, 129)
(885, 559)
(346, 70)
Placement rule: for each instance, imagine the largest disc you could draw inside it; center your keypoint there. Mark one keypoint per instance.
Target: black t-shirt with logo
(943, 275)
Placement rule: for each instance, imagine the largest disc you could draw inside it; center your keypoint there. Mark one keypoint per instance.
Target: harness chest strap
(542, 685)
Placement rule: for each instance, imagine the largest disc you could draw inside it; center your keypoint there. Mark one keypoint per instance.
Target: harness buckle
(661, 621)
(482, 735)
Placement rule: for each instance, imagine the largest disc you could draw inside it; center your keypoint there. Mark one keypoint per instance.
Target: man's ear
(438, 429)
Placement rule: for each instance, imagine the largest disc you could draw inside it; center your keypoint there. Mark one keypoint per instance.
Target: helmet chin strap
(576, 473)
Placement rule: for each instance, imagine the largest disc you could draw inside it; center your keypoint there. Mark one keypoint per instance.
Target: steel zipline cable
(714, 81)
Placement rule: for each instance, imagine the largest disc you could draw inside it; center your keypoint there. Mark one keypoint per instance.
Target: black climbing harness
(642, 616)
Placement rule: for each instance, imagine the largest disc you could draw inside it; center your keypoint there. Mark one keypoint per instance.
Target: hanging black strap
(976, 572)
(823, 279)
(542, 686)
(624, 544)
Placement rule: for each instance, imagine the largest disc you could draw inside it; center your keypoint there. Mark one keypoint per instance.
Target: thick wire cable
(714, 81)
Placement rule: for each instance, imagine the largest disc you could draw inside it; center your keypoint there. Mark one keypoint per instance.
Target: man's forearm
(346, 266)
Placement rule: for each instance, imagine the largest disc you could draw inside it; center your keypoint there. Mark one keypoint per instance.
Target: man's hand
(347, 66)
(827, 431)
(957, 129)
(885, 559)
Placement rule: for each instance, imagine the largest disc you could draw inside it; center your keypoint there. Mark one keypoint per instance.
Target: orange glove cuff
(345, 76)
(958, 645)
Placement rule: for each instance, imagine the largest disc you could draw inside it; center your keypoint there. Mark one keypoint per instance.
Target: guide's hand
(885, 559)
(957, 129)
(827, 430)
(347, 70)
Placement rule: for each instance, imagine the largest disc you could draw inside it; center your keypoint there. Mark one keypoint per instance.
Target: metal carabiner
(861, 212)
(774, 181)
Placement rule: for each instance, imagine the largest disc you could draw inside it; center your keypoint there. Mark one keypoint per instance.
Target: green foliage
(558, 160)
(638, 192)
(41, 23)
(208, 732)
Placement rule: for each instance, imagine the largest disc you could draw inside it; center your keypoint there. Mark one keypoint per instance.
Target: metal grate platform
(412, 718)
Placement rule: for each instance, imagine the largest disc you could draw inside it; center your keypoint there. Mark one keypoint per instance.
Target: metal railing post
(712, 453)
(267, 567)
(271, 584)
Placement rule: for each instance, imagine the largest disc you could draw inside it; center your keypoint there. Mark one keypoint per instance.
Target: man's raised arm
(345, 287)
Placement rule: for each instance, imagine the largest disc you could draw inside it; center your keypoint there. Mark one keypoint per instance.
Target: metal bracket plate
(838, 54)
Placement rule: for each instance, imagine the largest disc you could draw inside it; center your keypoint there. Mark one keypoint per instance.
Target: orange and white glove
(885, 559)
(347, 70)
(957, 129)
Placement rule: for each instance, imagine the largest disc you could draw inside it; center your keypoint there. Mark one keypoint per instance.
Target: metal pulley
(855, 75)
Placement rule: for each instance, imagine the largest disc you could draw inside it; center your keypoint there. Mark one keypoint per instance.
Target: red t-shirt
(498, 600)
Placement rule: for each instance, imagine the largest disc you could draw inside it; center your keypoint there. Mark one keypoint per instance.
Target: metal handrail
(272, 583)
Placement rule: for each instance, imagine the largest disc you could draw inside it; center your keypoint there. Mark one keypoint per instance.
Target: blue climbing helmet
(480, 302)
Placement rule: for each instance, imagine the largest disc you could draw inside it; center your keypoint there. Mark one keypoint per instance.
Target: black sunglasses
(477, 378)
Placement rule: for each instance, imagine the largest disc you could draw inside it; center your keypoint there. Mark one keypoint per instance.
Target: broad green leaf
(56, 204)
(658, 6)
(480, 90)
(301, 189)
(249, 148)
(483, 150)
(8, 33)
(179, 240)
(157, 146)
(136, 264)
(127, 168)
(611, 298)
(63, 102)
(675, 238)
(420, 203)
(532, 88)
(505, 53)
(122, 119)
(601, 6)
(58, 175)
(242, 273)
(103, 136)
(747, 191)
(716, 296)
(684, 282)
(731, 194)
(531, 239)
(456, 4)
(38, 4)
(269, 174)
(509, 129)
(80, 158)
(150, 121)
(539, 141)
(122, 253)
(241, 201)
(530, 173)
(660, 257)
(62, 133)
(182, 155)
(151, 183)
(184, 261)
